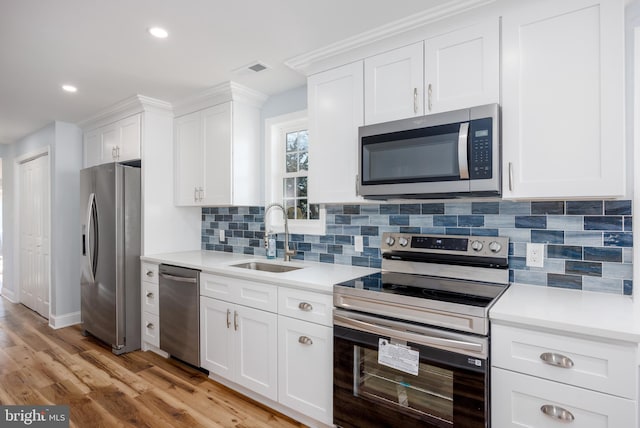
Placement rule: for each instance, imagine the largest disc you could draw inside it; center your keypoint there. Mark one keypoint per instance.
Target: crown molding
(125, 108)
(224, 92)
(303, 62)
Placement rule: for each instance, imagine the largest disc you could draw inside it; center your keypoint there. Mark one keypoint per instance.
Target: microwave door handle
(463, 148)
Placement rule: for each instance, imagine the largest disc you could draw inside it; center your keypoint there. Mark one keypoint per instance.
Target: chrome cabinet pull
(304, 306)
(558, 413)
(235, 320)
(150, 273)
(150, 326)
(429, 96)
(113, 153)
(201, 194)
(510, 176)
(557, 360)
(415, 100)
(305, 340)
(195, 194)
(117, 152)
(228, 320)
(149, 295)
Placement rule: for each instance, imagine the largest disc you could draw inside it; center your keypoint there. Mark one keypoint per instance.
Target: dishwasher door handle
(189, 280)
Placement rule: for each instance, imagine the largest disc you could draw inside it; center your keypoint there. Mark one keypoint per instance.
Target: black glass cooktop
(423, 287)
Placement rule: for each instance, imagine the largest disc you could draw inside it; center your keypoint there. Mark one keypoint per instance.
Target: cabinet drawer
(601, 366)
(519, 400)
(149, 272)
(306, 305)
(247, 293)
(150, 298)
(151, 329)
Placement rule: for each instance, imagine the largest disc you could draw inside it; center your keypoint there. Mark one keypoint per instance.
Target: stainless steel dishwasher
(180, 313)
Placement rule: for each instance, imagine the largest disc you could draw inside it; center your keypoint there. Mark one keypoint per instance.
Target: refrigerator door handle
(92, 215)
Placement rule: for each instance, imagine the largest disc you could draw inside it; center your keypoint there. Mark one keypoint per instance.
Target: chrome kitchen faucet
(287, 252)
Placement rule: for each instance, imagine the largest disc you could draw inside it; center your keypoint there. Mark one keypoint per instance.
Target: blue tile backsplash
(589, 243)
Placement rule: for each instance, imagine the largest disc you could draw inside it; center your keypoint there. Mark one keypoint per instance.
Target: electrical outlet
(535, 255)
(358, 242)
(222, 238)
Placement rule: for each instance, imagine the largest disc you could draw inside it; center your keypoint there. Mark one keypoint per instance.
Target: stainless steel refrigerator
(110, 279)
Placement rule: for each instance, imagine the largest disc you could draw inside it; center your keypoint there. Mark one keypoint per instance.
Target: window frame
(276, 129)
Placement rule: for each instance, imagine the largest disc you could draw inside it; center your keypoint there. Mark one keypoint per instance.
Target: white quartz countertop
(601, 315)
(319, 277)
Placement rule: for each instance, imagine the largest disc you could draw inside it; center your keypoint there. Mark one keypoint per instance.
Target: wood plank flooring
(39, 365)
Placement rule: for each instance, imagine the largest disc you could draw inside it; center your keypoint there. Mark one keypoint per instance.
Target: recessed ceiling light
(158, 32)
(69, 88)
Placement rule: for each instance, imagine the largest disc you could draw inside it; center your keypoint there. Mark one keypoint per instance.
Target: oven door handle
(418, 338)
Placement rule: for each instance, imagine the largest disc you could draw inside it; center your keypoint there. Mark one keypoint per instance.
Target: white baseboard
(64, 320)
(9, 295)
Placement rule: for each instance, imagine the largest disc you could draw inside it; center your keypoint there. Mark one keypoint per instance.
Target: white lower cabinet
(240, 344)
(305, 372)
(150, 306)
(548, 379)
(520, 400)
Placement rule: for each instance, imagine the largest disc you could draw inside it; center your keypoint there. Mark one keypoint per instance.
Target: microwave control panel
(480, 136)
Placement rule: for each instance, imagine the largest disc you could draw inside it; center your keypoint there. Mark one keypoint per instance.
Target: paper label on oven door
(398, 357)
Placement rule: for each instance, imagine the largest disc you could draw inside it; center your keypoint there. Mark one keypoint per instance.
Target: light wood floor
(39, 365)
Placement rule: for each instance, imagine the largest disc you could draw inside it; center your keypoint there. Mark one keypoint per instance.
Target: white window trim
(275, 131)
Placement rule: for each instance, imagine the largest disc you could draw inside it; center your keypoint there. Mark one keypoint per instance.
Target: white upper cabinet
(563, 99)
(335, 106)
(462, 68)
(455, 70)
(218, 153)
(116, 142)
(394, 84)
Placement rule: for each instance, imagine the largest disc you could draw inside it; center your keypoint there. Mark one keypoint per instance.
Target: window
(287, 148)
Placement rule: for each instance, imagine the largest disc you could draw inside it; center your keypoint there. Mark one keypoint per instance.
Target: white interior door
(34, 234)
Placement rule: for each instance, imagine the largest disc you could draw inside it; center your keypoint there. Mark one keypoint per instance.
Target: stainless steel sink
(266, 267)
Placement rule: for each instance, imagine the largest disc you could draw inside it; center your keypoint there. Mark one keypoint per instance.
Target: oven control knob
(390, 241)
(495, 247)
(476, 245)
(403, 242)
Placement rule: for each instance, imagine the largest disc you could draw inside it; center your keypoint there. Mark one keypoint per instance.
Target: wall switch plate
(535, 255)
(222, 237)
(358, 242)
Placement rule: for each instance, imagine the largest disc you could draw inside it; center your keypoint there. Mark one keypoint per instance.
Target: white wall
(65, 151)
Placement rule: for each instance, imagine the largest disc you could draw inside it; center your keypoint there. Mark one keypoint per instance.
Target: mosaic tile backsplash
(588, 243)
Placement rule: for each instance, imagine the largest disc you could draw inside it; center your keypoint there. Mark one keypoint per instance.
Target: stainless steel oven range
(411, 344)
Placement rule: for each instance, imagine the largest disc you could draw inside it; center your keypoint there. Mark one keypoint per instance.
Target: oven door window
(450, 389)
(430, 393)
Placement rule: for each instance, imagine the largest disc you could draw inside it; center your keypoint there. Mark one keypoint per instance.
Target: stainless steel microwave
(444, 155)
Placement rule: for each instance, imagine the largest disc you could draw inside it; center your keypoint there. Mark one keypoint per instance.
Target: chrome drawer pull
(305, 340)
(235, 320)
(228, 321)
(149, 295)
(558, 413)
(150, 326)
(557, 360)
(150, 273)
(304, 306)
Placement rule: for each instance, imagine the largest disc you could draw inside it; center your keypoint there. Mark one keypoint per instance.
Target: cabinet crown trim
(304, 62)
(125, 108)
(224, 92)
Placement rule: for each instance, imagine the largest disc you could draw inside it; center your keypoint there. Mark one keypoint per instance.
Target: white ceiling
(102, 47)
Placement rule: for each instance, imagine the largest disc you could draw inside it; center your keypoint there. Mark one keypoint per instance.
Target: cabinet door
(151, 329)
(305, 371)
(129, 147)
(335, 112)
(92, 148)
(563, 68)
(394, 85)
(521, 401)
(462, 68)
(216, 155)
(188, 159)
(110, 135)
(216, 337)
(256, 340)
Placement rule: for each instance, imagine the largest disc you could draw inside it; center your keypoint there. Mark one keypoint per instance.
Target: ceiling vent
(251, 68)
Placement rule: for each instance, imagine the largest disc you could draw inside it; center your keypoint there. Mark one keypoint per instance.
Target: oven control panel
(481, 246)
